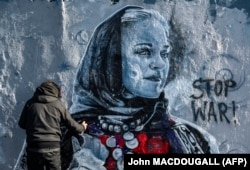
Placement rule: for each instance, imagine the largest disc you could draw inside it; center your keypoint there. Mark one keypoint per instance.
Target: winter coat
(43, 115)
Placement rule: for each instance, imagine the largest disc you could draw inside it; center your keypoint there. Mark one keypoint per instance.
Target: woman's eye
(165, 55)
(143, 52)
(166, 51)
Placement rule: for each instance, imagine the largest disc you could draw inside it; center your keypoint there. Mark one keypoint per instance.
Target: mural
(150, 76)
(119, 90)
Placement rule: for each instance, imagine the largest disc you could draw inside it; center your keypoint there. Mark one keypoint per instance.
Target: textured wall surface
(41, 39)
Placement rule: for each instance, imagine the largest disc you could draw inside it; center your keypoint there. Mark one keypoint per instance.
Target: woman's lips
(153, 78)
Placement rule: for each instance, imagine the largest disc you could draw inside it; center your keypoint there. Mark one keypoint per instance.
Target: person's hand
(84, 124)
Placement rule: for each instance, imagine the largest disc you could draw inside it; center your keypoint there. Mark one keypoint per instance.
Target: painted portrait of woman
(119, 90)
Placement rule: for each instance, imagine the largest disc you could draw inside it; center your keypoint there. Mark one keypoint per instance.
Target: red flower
(142, 147)
(111, 164)
(103, 138)
(157, 144)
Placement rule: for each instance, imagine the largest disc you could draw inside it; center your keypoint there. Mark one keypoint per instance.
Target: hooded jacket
(43, 115)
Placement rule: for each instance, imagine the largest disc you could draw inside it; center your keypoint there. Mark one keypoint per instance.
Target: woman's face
(145, 62)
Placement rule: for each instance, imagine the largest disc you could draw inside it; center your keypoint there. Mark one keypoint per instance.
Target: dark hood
(47, 92)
